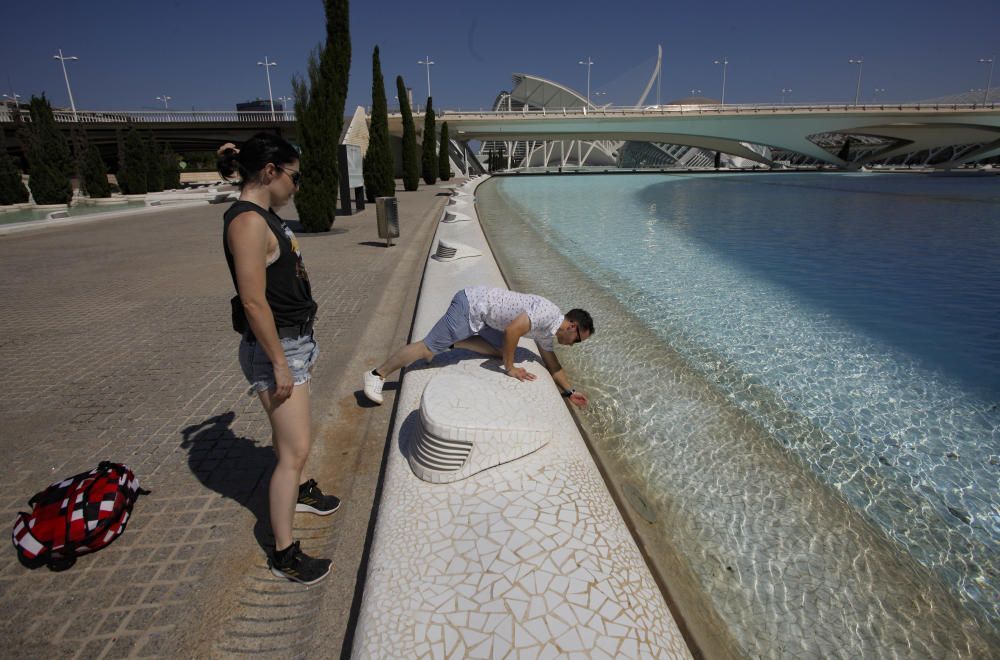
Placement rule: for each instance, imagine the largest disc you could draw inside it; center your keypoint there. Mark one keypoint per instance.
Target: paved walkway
(115, 344)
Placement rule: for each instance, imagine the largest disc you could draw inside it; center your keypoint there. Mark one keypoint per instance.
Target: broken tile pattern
(527, 559)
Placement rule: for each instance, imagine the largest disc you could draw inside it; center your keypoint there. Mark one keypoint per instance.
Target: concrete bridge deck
(906, 127)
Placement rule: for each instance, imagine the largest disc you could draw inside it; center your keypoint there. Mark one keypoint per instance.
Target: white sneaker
(373, 387)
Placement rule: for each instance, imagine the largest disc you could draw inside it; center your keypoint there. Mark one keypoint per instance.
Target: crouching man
(491, 321)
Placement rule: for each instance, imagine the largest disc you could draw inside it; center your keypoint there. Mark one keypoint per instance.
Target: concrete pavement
(115, 340)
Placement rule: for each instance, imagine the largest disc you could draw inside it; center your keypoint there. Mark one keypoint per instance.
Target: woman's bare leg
(291, 433)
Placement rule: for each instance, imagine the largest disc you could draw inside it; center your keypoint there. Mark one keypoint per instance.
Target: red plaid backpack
(77, 515)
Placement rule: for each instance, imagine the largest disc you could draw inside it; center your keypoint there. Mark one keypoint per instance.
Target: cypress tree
(90, 167)
(154, 164)
(378, 169)
(49, 161)
(428, 162)
(411, 171)
(444, 163)
(132, 169)
(94, 177)
(169, 161)
(12, 190)
(319, 111)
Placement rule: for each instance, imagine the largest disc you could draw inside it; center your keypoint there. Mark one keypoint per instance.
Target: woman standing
(275, 311)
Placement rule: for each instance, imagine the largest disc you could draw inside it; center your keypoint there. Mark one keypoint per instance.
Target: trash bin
(387, 215)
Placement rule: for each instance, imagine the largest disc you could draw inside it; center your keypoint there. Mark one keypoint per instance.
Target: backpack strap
(25, 541)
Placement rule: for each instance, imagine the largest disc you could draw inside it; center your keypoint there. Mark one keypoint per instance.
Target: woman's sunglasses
(295, 176)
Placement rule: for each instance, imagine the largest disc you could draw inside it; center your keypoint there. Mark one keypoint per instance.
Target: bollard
(387, 216)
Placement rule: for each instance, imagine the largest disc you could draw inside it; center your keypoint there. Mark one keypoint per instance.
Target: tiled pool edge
(504, 563)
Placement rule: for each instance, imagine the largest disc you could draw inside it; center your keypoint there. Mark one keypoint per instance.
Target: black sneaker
(297, 566)
(312, 500)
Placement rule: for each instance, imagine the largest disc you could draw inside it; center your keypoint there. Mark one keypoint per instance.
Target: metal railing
(158, 116)
(266, 116)
(671, 110)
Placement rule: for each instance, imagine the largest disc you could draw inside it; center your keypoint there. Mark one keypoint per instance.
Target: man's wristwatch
(568, 393)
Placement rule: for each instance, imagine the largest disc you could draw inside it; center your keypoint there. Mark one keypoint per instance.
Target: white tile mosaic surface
(472, 423)
(528, 559)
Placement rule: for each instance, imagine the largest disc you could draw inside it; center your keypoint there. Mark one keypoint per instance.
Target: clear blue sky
(204, 54)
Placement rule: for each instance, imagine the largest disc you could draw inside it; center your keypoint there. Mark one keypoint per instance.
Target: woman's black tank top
(288, 291)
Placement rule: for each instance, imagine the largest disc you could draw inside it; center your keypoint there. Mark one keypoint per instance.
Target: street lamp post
(725, 63)
(600, 94)
(785, 90)
(13, 98)
(427, 63)
(284, 102)
(861, 65)
(62, 60)
(165, 99)
(589, 62)
(878, 90)
(989, 81)
(267, 71)
(695, 92)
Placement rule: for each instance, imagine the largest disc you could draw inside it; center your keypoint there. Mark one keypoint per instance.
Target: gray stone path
(115, 344)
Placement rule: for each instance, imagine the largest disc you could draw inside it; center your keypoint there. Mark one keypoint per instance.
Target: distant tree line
(144, 165)
(431, 163)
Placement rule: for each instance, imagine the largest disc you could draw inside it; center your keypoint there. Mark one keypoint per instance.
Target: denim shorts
(300, 352)
(454, 326)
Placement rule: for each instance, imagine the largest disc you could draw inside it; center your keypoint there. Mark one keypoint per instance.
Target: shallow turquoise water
(28, 215)
(850, 323)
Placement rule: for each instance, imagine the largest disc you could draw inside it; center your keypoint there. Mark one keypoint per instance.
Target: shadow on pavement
(233, 466)
(363, 401)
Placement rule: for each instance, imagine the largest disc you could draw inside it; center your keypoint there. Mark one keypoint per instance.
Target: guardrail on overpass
(258, 116)
(660, 110)
(158, 116)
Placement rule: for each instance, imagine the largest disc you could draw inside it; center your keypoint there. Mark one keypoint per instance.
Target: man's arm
(511, 335)
(559, 376)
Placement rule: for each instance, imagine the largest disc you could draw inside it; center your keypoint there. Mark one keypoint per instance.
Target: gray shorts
(300, 352)
(454, 326)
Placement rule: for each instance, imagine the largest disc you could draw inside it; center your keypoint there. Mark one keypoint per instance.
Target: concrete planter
(50, 207)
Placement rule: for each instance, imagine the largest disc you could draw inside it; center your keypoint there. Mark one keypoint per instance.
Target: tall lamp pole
(878, 90)
(589, 62)
(164, 98)
(427, 63)
(62, 60)
(725, 63)
(785, 90)
(861, 65)
(267, 70)
(989, 81)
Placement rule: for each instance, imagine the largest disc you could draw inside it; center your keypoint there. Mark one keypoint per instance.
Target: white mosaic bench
(468, 425)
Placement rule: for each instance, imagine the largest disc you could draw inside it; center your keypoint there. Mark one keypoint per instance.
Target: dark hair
(254, 156)
(582, 319)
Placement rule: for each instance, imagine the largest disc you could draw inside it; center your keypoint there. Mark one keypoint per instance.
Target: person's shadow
(233, 466)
